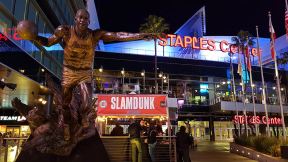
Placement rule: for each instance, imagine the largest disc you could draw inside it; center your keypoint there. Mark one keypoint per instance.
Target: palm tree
(156, 25)
(283, 59)
(242, 39)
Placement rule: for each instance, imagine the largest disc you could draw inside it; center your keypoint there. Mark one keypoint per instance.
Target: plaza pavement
(207, 151)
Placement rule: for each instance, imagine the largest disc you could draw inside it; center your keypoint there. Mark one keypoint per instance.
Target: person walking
(152, 141)
(183, 141)
(134, 131)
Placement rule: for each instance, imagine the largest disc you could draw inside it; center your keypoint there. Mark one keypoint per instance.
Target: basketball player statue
(73, 119)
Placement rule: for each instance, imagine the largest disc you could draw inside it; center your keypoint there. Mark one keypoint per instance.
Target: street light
(101, 71)
(143, 75)
(162, 76)
(123, 75)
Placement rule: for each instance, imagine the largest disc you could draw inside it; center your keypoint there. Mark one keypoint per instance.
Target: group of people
(138, 129)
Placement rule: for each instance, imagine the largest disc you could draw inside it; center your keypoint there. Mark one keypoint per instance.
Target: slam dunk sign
(132, 104)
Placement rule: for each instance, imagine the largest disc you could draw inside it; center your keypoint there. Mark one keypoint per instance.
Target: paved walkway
(215, 152)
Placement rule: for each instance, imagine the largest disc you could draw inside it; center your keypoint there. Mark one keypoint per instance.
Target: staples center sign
(257, 120)
(132, 104)
(200, 43)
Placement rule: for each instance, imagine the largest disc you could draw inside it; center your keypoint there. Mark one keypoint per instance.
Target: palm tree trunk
(155, 63)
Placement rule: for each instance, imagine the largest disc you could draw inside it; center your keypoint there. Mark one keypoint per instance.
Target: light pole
(100, 71)
(161, 76)
(143, 75)
(123, 75)
(163, 80)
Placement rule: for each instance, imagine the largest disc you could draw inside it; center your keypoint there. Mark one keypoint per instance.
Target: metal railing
(10, 148)
(118, 148)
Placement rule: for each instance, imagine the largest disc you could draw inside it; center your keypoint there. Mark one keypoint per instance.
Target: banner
(118, 104)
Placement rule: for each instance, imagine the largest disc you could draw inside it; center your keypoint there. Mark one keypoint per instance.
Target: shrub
(267, 145)
(244, 141)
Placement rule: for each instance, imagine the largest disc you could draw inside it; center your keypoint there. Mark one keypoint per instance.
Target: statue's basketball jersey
(78, 59)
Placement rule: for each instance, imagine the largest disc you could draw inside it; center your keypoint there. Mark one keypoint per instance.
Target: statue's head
(82, 19)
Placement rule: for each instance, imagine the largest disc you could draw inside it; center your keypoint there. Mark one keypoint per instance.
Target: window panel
(7, 4)
(19, 8)
(32, 13)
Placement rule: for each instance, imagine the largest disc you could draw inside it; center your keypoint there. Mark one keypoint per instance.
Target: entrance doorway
(13, 131)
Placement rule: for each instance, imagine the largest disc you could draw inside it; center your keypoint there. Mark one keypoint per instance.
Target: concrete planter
(252, 154)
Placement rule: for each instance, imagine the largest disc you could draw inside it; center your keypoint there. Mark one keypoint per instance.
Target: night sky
(223, 17)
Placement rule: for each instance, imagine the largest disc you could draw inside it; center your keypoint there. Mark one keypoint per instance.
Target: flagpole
(234, 93)
(277, 79)
(252, 88)
(263, 83)
(244, 95)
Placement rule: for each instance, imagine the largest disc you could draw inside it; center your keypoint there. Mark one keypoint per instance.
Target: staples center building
(196, 68)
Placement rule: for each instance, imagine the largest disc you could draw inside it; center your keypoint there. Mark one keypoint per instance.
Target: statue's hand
(27, 30)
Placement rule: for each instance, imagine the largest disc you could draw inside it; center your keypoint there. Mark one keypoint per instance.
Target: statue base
(88, 150)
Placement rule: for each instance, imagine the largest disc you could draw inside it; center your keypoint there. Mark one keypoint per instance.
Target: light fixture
(241, 83)
(282, 89)
(274, 88)
(217, 85)
(143, 73)
(22, 70)
(122, 71)
(164, 77)
(101, 69)
(223, 82)
(160, 74)
(44, 102)
(42, 69)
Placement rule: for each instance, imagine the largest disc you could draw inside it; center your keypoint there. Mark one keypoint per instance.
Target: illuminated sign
(132, 104)
(12, 118)
(199, 43)
(8, 33)
(203, 88)
(5, 35)
(257, 120)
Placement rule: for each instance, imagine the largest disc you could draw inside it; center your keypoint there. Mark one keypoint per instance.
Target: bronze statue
(73, 116)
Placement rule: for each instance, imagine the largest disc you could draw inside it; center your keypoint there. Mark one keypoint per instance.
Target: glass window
(40, 25)
(31, 13)
(7, 4)
(19, 8)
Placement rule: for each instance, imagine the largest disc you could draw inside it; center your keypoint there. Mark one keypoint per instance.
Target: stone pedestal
(88, 150)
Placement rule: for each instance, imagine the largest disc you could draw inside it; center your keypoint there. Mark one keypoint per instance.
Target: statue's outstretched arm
(122, 36)
(53, 39)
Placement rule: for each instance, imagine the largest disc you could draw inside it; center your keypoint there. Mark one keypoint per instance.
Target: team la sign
(257, 120)
(12, 118)
(199, 43)
(132, 104)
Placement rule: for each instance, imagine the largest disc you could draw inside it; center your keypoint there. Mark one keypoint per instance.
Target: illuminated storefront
(124, 109)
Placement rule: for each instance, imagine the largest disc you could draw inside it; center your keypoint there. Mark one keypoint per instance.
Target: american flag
(248, 58)
(273, 37)
(286, 23)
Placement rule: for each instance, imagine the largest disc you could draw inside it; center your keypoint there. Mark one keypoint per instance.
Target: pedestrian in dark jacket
(183, 141)
(134, 131)
(152, 141)
(117, 130)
